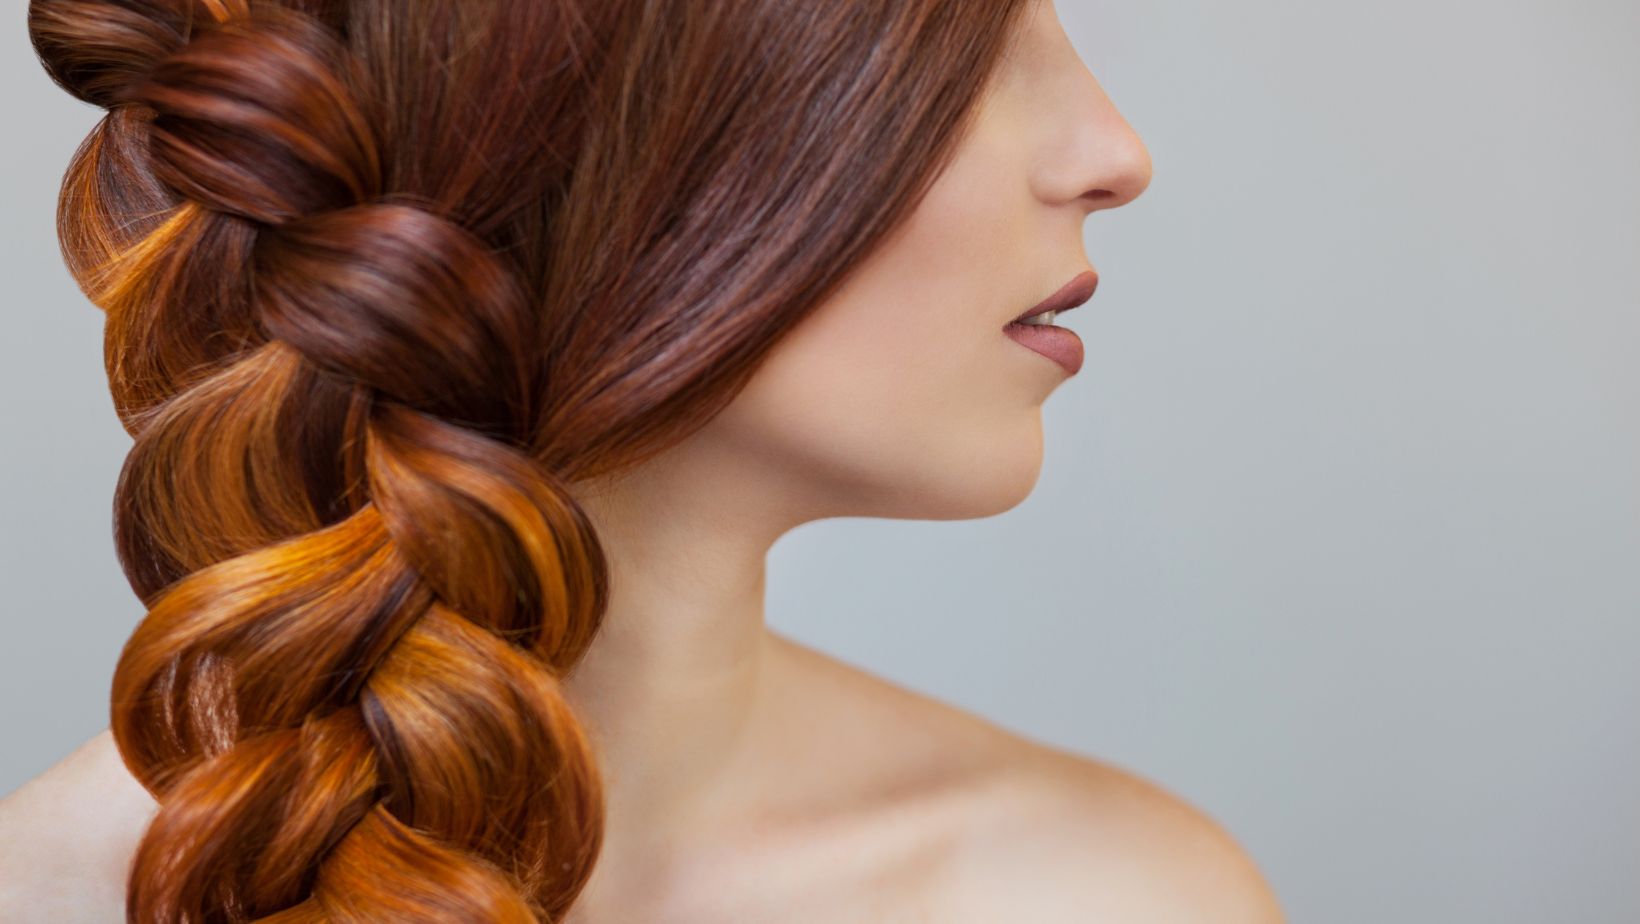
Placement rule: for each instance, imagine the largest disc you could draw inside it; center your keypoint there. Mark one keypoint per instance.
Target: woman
(475, 354)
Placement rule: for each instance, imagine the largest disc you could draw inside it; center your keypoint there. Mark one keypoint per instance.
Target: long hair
(383, 280)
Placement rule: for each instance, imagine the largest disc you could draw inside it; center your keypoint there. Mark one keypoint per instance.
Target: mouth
(1074, 293)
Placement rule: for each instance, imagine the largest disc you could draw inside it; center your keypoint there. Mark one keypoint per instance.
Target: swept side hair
(383, 280)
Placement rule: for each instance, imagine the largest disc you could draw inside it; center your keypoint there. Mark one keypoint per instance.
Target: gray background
(1338, 531)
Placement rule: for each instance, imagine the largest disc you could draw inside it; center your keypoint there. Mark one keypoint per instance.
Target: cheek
(888, 412)
(901, 396)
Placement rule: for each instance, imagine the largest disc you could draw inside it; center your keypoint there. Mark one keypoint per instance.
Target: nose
(1122, 167)
(1100, 162)
(1095, 159)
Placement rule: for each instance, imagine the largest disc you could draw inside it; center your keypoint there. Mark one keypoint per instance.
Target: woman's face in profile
(902, 396)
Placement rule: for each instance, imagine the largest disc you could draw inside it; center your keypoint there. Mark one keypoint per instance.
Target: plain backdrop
(1338, 534)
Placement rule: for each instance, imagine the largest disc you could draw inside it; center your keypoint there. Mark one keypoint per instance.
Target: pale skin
(750, 778)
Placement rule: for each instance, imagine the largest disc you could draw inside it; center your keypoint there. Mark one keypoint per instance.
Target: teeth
(1045, 318)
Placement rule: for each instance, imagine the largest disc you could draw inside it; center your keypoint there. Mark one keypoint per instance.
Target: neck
(667, 689)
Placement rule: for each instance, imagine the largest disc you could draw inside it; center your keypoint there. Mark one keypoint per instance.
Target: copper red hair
(383, 280)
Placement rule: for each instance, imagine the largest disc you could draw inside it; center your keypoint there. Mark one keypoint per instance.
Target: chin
(974, 486)
(1003, 491)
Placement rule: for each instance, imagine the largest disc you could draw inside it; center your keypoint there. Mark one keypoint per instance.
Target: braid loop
(259, 116)
(405, 303)
(100, 50)
(527, 548)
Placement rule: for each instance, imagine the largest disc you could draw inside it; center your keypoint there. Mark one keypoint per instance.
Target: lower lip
(1059, 344)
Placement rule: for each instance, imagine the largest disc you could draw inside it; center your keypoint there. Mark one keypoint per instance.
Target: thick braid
(361, 590)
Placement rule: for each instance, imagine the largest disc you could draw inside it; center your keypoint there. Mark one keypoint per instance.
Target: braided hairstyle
(384, 281)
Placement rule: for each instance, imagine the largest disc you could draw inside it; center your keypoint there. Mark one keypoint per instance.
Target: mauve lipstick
(1060, 344)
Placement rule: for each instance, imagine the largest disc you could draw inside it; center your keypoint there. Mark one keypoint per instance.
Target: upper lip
(1074, 293)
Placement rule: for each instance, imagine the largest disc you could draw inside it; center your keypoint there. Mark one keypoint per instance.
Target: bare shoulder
(1029, 832)
(1054, 836)
(67, 835)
